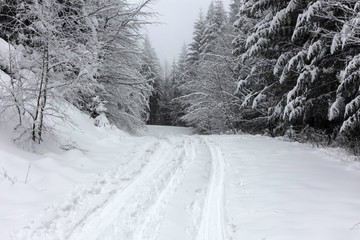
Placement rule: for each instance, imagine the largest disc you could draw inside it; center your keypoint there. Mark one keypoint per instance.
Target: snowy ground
(166, 184)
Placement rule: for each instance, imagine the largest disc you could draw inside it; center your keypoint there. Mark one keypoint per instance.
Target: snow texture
(336, 42)
(7, 53)
(166, 183)
(259, 98)
(337, 108)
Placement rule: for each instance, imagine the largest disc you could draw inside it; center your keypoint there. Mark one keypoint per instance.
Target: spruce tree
(151, 71)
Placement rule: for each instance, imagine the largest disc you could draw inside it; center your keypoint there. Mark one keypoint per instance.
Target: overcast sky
(178, 18)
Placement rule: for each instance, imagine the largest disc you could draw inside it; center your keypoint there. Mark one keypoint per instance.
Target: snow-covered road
(174, 185)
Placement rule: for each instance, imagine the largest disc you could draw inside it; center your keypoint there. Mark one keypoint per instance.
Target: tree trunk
(44, 95)
(13, 89)
(41, 98)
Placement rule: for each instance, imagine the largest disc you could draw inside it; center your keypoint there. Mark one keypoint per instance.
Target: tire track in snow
(212, 226)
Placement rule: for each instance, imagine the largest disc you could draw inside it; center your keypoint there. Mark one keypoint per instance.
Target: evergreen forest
(280, 68)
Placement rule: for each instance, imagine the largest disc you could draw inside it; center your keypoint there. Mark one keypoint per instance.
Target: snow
(282, 61)
(351, 67)
(258, 99)
(357, 6)
(4, 79)
(350, 123)
(101, 120)
(283, 15)
(6, 52)
(240, 85)
(292, 192)
(251, 40)
(314, 49)
(278, 19)
(297, 61)
(336, 108)
(346, 33)
(168, 183)
(335, 43)
(352, 107)
(291, 94)
(161, 131)
(294, 108)
(305, 18)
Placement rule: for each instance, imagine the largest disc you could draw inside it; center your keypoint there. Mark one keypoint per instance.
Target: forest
(280, 68)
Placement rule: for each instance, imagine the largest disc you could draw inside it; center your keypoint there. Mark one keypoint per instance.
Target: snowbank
(7, 54)
(31, 182)
(4, 79)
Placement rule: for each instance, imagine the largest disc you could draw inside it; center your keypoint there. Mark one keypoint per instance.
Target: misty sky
(178, 17)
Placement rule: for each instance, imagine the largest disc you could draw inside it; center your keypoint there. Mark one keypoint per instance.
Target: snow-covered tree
(53, 56)
(207, 92)
(215, 31)
(178, 78)
(254, 73)
(345, 43)
(234, 11)
(79, 51)
(195, 47)
(152, 72)
(294, 56)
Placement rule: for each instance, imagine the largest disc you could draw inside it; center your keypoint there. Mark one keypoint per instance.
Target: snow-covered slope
(166, 184)
(31, 182)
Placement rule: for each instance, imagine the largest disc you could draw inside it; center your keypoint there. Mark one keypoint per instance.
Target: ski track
(139, 216)
(141, 199)
(62, 220)
(129, 202)
(212, 226)
(126, 203)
